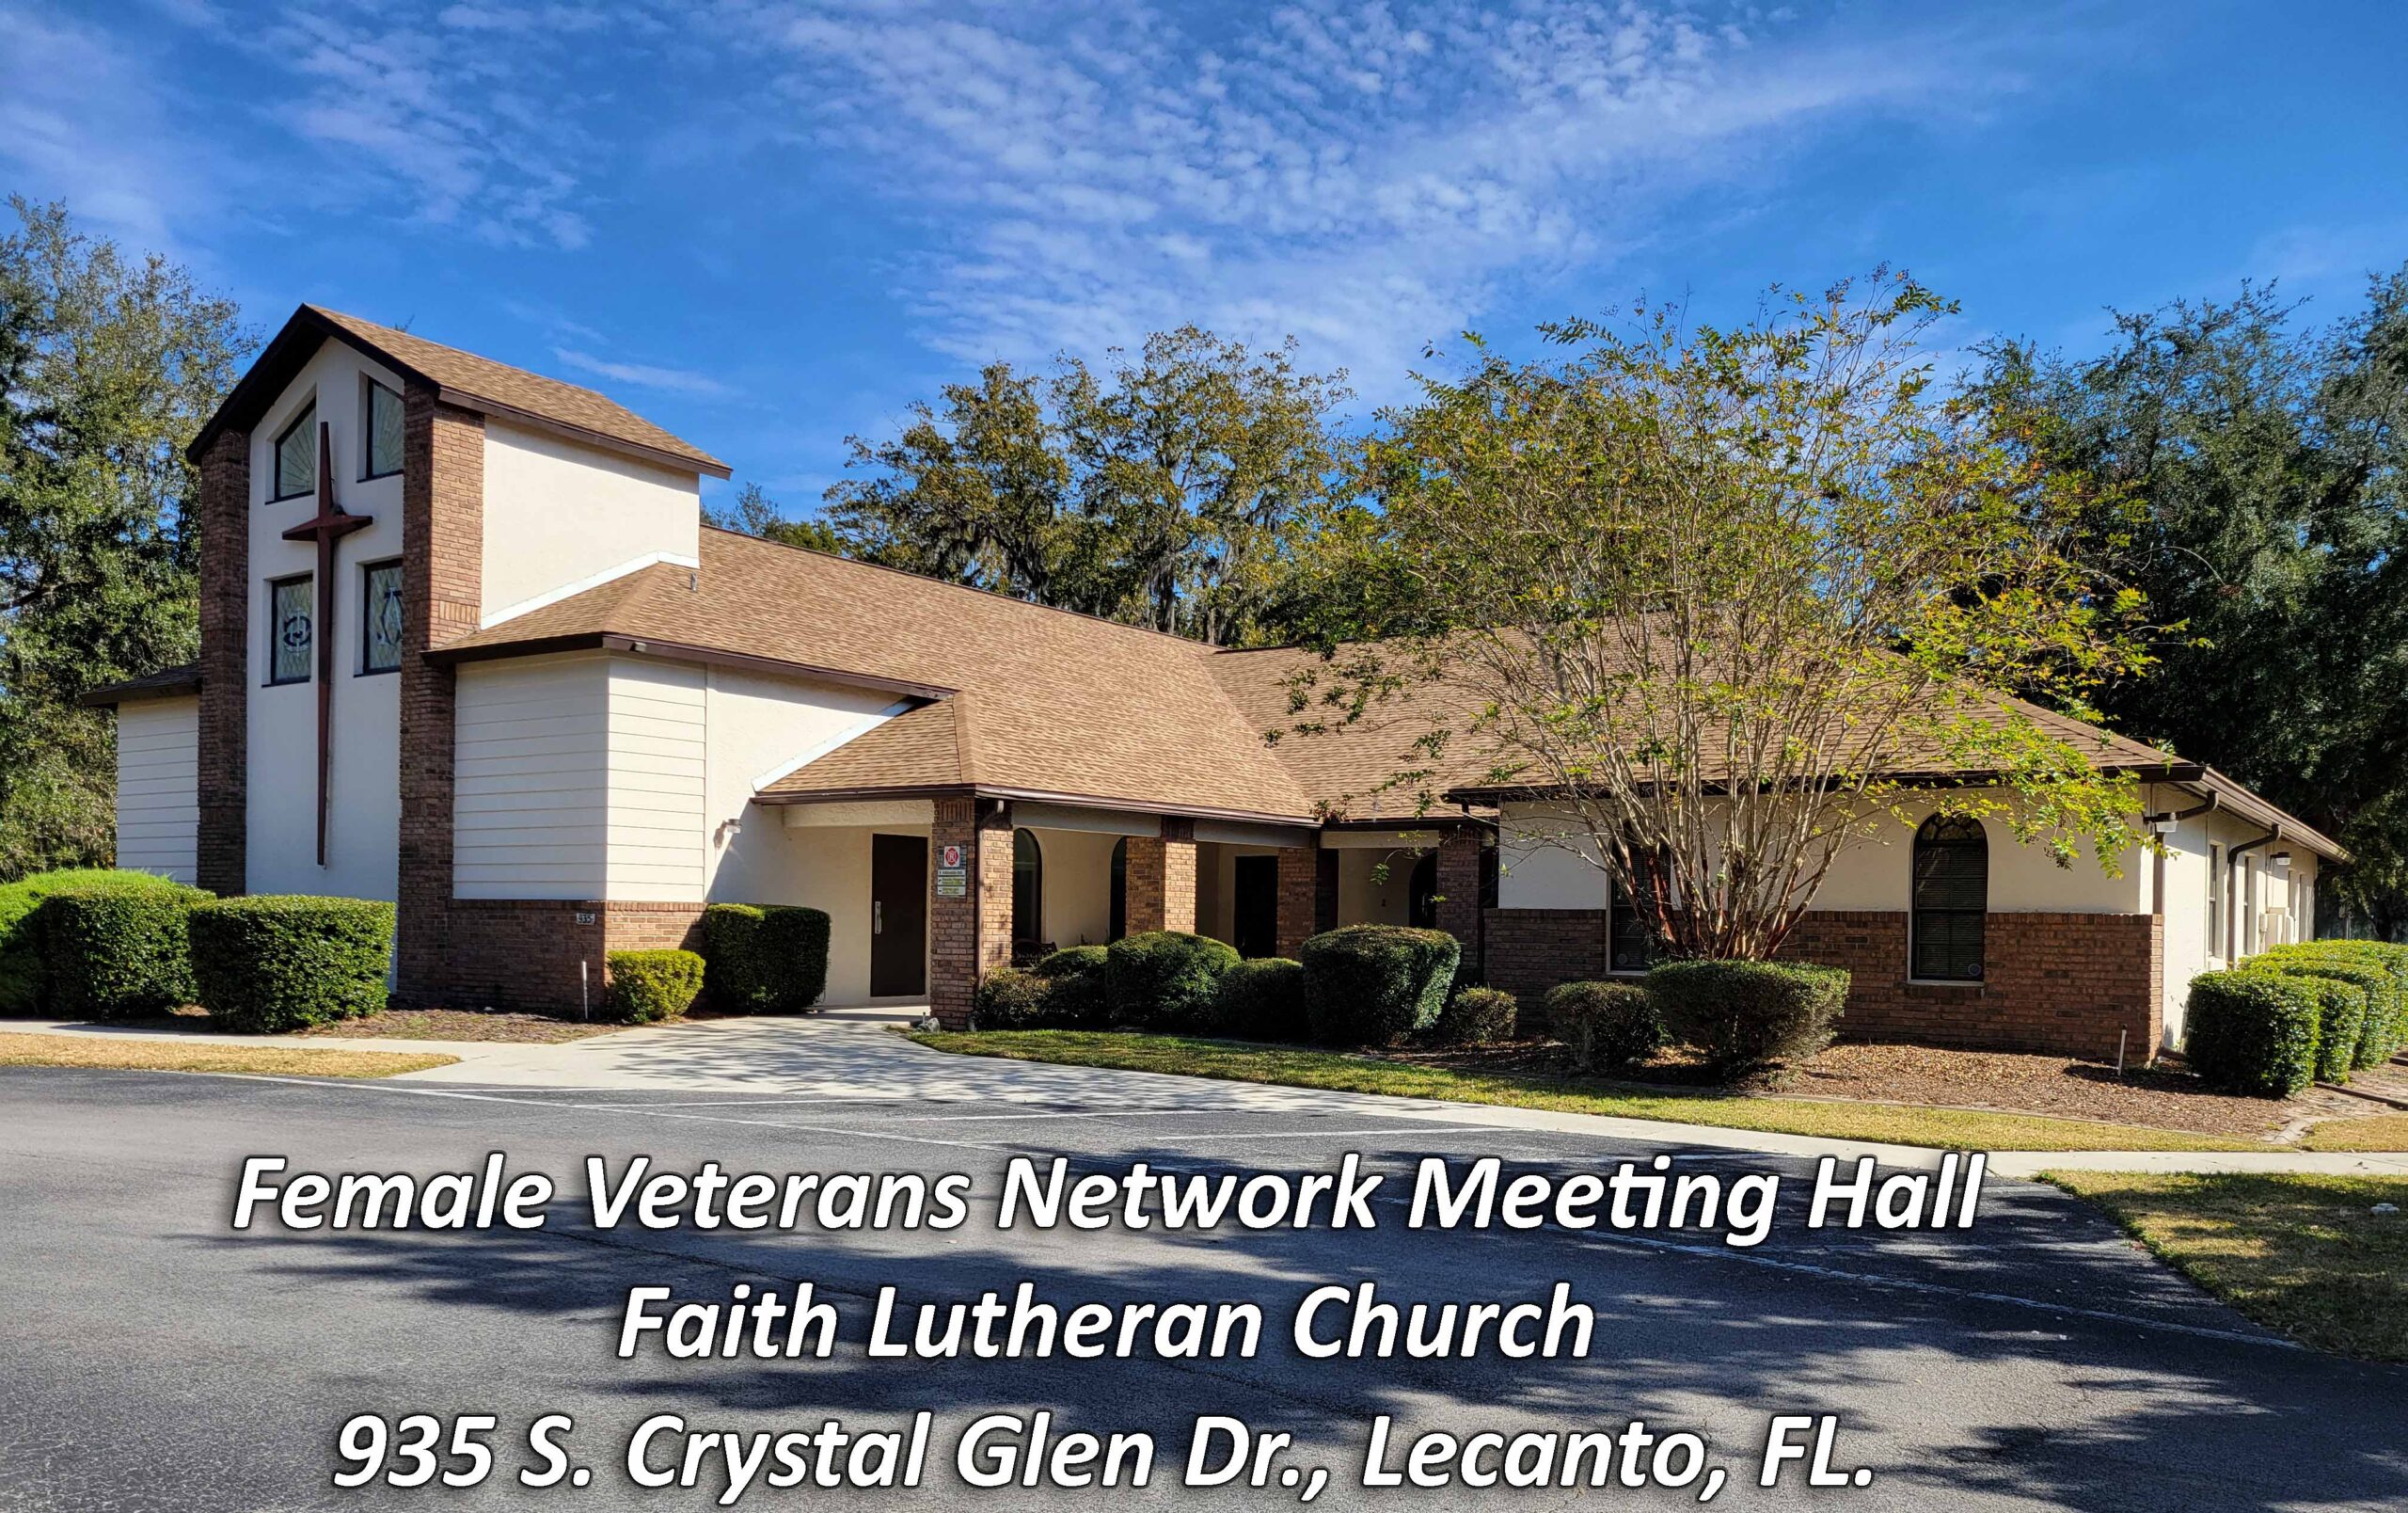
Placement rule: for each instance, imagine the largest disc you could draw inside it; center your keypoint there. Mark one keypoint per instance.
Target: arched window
(1952, 897)
(1028, 891)
(1120, 888)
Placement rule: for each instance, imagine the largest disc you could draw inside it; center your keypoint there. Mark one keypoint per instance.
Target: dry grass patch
(1290, 1066)
(2307, 1255)
(408, 1023)
(2381, 1132)
(126, 1053)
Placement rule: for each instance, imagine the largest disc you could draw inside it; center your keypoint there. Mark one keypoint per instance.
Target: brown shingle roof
(167, 682)
(1032, 701)
(465, 380)
(1061, 704)
(918, 748)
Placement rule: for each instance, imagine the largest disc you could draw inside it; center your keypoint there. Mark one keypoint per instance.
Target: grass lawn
(1290, 1066)
(2379, 1132)
(409, 1024)
(2304, 1254)
(127, 1054)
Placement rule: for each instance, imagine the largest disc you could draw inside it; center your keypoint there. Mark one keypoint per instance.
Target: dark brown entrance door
(1257, 906)
(899, 915)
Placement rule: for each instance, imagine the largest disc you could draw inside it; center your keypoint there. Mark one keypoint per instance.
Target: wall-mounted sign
(953, 881)
(949, 857)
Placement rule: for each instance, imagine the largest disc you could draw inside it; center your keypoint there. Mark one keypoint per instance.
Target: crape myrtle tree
(1162, 492)
(1718, 595)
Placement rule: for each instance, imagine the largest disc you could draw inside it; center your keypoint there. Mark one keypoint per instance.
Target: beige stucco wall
(1376, 887)
(560, 517)
(827, 868)
(760, 729)
(2196, 941)
(1078, 885)
(158, 795)
(1870, 874)
(364, 804)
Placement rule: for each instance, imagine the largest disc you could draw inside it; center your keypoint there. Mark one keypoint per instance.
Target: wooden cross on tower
(330, 525)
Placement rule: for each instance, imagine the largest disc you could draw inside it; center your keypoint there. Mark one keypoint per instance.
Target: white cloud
(643, 374)
(82, 119)
(1369, 176)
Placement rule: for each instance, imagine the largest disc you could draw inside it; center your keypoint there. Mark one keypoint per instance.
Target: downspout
(2163, 824)
(2233, 892)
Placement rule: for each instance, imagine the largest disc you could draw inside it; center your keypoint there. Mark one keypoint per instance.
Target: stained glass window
(383, 431)
(289, 631)
(1952, 897)
(296, 455)
(381, 632)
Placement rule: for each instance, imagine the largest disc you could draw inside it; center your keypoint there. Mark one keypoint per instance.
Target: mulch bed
(2165, 1096)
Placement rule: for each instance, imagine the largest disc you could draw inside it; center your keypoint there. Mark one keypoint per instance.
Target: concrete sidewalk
(840, 1057)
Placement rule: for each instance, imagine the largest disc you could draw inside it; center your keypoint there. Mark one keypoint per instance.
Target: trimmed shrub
(2252, 1031)
(1074, 987)
(1743, 1015)
(1263, 999)
(1604, 1024)
(2377, 967)
(1476, 1016)
(1165, 978)
(790, 953)
(2344, 1019)
(25, 976)
(732, 957)
(1376, 984)
(1009, 998)
(111, 949)
(649, 986)
(279, 962)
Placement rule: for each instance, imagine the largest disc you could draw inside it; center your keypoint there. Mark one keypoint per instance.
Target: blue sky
(770, 223)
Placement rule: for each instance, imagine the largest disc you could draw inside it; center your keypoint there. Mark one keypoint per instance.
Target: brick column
(443, 492)
(1161, 879)
(972, 935)
(1326, 892)
(1459, 856)
(223, 788)
(1299, 897)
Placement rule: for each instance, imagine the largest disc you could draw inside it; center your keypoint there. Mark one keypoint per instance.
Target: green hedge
(791, 957)
(1376, 984)
(1740, 1014)
(1075, 993)
(1166, 979)
(2377, 967)
(650, 986)
(1604, 1024)
(25, 976)
(279, 962)
(732, 957)
(1009, 998)
(2253, 1031)
(111, 949)
(1263, 999)
(1476, 1016)
(2353, 1010)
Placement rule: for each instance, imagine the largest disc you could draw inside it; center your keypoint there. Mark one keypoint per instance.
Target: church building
(467, 646)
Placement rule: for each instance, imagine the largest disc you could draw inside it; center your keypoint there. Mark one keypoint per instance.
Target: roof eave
(680, 651)
(290, 350)
(133, 690)
(866, 793)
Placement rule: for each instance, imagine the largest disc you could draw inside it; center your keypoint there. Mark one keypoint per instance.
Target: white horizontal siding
(657, 756)
(530, 804)
(158, 786)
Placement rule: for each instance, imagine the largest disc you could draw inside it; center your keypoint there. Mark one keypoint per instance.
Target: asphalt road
(152, 1357)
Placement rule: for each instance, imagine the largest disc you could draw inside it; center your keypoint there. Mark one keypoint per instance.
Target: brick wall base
(523, 954)
(2060, 984)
